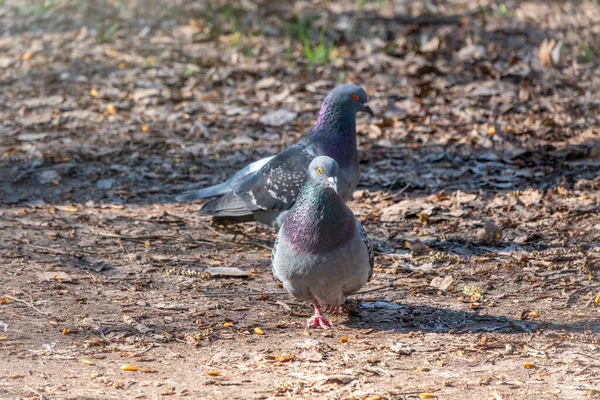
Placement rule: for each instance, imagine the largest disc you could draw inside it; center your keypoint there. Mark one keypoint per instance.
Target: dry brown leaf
(283, 358)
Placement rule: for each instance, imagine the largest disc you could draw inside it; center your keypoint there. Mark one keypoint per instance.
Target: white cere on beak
(333, 182)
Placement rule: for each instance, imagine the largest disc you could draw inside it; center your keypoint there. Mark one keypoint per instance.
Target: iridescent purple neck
(335, 119)
(318, 222)
(335, 132)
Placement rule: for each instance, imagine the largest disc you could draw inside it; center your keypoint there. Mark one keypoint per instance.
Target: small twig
(591, 300)
(581, 371)
(140, 237)
(380, 288)
(139, 353)
(257, 244)
(50, 250)
(27, 304)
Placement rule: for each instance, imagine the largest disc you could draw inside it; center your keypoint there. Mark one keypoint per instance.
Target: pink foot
(317, 321)
(334, 310)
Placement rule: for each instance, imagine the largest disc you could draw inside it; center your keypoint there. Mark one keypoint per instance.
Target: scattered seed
(259, 331)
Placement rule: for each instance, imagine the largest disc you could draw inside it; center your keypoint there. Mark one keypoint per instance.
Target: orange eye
(354, 97)
(319, 171)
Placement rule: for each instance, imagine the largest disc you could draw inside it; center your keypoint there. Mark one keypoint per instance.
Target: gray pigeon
(265, 189)
(322, 253)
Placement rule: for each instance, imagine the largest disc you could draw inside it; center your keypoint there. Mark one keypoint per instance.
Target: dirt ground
(480, 191)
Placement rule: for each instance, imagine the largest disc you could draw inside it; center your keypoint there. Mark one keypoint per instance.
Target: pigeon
(264, 190)
(322, 253)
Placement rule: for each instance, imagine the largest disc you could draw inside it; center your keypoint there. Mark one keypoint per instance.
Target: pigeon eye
(319, 171)
(354, 97)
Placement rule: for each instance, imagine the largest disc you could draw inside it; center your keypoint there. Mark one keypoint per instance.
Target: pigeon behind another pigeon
(265, 189)
(322, 253)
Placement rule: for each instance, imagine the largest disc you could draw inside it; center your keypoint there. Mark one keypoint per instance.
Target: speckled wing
(365, 239)
(276, 185)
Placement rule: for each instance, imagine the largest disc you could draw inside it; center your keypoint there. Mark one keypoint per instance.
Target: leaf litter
(479, 189)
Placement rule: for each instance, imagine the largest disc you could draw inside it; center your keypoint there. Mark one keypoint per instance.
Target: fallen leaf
(442, 283)
(343, 379)
(213, 373)
(428, 396)
(87, 362)
(344, 340)
(129, 367)
(528, 365)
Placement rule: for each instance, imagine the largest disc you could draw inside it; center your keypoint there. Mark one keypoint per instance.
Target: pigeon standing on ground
(263, 190)
(322, 253)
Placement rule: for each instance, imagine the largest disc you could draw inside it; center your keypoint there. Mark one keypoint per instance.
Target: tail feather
(212, 191)
(223, 188)
(226, 206)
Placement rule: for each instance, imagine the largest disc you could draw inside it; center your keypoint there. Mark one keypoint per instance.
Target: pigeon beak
(368, 109)
(332, 180)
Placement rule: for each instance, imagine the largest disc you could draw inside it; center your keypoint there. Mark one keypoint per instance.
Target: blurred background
(125, 100)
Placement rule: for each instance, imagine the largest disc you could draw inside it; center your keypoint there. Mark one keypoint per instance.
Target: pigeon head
(319, 220)
(350, 98)
(337, 117)
(323, 171)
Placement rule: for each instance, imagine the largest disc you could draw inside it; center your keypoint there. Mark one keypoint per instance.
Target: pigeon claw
(318, 322)
(334, 309)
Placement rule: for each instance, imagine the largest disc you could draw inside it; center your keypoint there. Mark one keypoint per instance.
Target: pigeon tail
(212, 191)
(226, 206)
(223, 188)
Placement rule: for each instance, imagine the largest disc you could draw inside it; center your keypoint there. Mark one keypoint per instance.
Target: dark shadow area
(391, 316)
